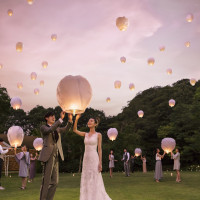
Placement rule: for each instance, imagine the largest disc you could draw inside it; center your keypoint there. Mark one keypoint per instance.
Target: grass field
(137, 187)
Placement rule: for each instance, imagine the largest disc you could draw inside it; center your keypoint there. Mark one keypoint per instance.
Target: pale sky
(90, 44)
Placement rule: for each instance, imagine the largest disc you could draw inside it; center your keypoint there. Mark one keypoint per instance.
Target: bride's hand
(78, 116)
(100, 167)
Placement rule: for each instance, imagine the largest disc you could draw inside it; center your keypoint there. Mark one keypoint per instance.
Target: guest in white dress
(176, 158)
(92, 186)
(144, 165)
(111, 162)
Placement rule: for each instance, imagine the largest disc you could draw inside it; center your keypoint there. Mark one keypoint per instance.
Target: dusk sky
(89, 44)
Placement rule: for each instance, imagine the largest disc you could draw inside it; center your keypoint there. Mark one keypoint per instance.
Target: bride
(92, 186)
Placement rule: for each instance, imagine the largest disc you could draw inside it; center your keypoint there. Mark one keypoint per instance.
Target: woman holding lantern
(92, 186)
(176, 158)
(32, 169)
(111, 162)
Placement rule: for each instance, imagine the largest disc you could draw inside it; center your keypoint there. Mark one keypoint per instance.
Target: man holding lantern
(52, 146)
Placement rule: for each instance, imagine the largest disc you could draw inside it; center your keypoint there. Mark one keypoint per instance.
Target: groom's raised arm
(45, 130)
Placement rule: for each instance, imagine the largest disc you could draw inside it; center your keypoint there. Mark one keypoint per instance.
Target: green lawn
(137, 187)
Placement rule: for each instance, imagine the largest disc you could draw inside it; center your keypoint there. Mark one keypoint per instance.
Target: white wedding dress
(92, 186)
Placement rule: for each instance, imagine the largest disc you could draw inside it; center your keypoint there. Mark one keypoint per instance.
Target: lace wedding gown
(92, 186)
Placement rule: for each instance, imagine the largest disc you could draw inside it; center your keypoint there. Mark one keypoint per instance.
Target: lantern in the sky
(117, 84)
(193, 81)
(1, 66)
(33, 76)
(38, 144)
(44, 64)
(74, 94)
(172, 103)
(15, 136)
(10, 12)
(36, 91)
(131, 86)
(54, 37)
(19, 85)
(112, 133)
(30, 2)
(189, 17)
(162, 48)
(122, 23)
(187, 44)
(19, 47)
(16, 103)
(42, 83)
(151, 61)
(169, 71)
(123, 59)
(108, 99)
(140, 113)
(168, 144)
(138, 152)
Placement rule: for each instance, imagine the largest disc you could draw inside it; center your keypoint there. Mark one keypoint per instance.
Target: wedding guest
(32, 169)
(144, 160)
(126, 159)
(158, 168)
(132, 163)
(23, 159)
(111, 162)
(176, 158)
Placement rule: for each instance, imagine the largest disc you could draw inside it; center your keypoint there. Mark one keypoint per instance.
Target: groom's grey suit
(52, 146)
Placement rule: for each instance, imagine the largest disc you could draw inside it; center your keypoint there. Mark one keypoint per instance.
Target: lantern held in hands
(16, 103)
(193, 81)
(168, 144)
(112, 133)
(19, 47)
(172, 103)
(151, 61)
(122, 23)
(140, 113)
(138, 152)
(117, 84)
(123, 59)
(74, 94)
(108, 99)
(15, 136)
(38, 144)
(33, 76)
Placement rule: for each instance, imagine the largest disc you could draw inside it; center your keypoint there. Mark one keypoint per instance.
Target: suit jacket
(49, 143)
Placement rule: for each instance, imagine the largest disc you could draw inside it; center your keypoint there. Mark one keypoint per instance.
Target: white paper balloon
(74, 94)
(38, 144)
(189, 17)
(131, 86)
(162, 48)
(19, 85)
(44, 64)
(36, 91)
(117, 84)
(172, 102)
(123, 59)
(54, 37)
(33, 76)
(30, 2)
(138, 152)
(19, 47)
(140, 113)
(122, 23)
(168, 144)
(151, 61)
(108, 99)
(42, 83)
(1, 66)
(10, 12)
(169, 71)
(112, 133)
(15, 136)
(193, 81)
(16, 103)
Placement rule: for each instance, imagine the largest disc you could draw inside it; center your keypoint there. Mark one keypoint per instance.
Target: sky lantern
(138, 152)
(19, 47)
(36, 91)
(123, 59)
(112, 133)
(54, 37)
(117, 84)
(131, 86)
(151, 61)
(1, 66)
(44, 64)
(15, 136)
(168, 144)
(108, 99)
(193, 81)
(189, 17)
(74, 94)
(10, 12)
(16, 103)
(19, 85)
(140, 113)
(41, 83)
(187, 44)
(38, 144)
(172, 103)
(30, 2)
(122, 23)
(169, 71)
(33, 76)
(162, 48)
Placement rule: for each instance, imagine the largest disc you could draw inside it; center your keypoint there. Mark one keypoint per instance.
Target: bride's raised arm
(75, 126)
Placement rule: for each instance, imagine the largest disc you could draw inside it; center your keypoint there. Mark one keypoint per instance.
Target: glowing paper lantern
(10, 12)
(42, 83)
(74, 94)
(30, 2)
(36, 91)
(172, 102)
(108, 100)
(162, 48)
(1, 66)
(140, 113)
(193, 81)
(16, 103)
(168, 144)
(151, 61)
(38, 144)
(138, 152)
(131, 86)
(187, 44)
(19, 85)
(54, 37)
(15, 136)
(112, 133)
(117, 84)
(33, 76)
(123, 59)
(169, 71)
(122, 23)
(19, 47)
(44, 64)
(189, 17)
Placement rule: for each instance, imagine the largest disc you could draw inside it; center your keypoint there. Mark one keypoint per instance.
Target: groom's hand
(78, 116)
(62, 115)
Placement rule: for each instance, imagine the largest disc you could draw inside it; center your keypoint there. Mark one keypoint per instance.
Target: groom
(51, 134)
(126, 159)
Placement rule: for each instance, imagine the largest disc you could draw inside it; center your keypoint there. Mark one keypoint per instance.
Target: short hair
(1, 140)
(50, 113)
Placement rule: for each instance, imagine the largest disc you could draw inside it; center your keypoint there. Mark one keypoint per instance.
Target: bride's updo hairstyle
(97, 121)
